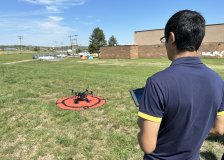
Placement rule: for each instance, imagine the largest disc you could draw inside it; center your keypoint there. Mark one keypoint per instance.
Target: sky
(51, 22)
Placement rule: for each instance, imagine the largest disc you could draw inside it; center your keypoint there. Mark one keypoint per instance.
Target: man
(183, 103)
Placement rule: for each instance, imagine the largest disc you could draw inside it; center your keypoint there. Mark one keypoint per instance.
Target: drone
(80, 100)
(81, 96)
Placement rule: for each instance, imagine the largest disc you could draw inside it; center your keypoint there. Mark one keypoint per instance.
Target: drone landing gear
(77, 100)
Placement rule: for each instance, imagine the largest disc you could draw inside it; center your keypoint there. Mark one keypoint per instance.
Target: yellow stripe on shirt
(148, 117)
(220, 113)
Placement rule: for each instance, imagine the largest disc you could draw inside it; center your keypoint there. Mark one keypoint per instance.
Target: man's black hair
(189, 30)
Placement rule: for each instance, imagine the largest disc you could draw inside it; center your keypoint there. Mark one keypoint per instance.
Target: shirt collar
(186, 60)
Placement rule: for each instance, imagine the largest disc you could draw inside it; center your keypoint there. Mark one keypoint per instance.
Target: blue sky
(50, 22)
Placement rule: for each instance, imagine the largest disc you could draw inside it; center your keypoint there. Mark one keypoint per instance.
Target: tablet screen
(136, 95)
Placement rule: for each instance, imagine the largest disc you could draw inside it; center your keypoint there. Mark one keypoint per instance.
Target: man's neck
(185, 54)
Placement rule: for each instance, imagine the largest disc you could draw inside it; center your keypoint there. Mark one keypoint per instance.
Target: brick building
(214, 33)
(147, 44)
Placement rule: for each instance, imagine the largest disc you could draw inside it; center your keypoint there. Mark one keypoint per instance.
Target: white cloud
(52, 9)
(89, 16)
(43, 2)
(53, 25)
(77, 18)
(35, 31)
(56, 5)
(55, 18)
(56, 2)
(35, 27)
(27, 14)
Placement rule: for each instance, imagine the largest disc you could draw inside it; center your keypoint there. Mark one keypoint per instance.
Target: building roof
(163, 28)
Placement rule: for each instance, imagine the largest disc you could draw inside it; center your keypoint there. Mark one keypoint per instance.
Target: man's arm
(147, 137)
(218, 128)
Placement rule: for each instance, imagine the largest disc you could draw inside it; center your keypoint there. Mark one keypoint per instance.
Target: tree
(112, 41)
(96, 40)
(36, 48)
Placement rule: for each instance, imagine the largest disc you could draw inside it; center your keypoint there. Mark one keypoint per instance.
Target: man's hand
(218, 128)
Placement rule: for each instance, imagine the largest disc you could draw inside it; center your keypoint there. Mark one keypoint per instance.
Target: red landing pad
(68, 103)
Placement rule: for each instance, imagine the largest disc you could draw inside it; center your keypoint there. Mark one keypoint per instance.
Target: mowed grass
(33, 127)
(6, 58)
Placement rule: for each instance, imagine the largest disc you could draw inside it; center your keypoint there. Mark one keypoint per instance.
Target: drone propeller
(72, 90)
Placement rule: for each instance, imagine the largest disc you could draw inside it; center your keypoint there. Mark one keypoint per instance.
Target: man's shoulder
(213, 76)
(160, 79)
(212, 72)
(161, 75)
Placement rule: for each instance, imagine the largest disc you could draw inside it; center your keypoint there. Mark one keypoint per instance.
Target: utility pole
(73, 42)
(56, 46)
(20, 39)
(76, 43)
(62, 47)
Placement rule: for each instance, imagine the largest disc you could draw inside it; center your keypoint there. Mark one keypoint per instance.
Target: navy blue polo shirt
(185, 98)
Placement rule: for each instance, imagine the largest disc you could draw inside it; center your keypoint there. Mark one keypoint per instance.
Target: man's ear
(172, 37)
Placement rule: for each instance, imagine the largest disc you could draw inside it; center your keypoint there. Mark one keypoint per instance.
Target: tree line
(97, 40)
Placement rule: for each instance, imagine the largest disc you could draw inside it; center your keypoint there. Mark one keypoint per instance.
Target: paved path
(27, 60)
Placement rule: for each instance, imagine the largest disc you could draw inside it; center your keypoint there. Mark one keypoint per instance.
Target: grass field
(33, 127)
